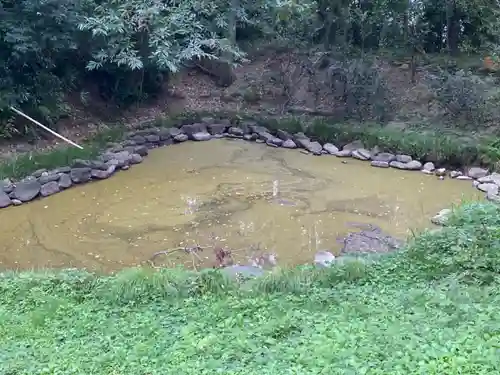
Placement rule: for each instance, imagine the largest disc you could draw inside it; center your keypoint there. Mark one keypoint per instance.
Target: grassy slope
(431, 309)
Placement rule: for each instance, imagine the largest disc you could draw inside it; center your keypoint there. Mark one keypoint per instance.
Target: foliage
(412, 312)
(463, 96)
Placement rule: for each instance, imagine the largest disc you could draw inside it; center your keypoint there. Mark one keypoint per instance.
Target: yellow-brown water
(219, 192)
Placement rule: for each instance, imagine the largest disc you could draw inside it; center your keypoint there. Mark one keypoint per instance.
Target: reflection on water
(237, 195)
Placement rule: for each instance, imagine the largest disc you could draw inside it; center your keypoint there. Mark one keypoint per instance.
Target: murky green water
(222, 192)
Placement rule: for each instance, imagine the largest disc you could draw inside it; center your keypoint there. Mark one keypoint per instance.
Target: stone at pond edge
(488, 188)
(4, 200)
(355, 145)
(49, 188)
(324, 259)
(413, 165)
(330, 148)
(384, 157)
(26, 190)
(65, 181)
(80, 175)
(379, 164)
(404, 158)
(429, 166)
(181, 138)
(344, 153)
(361, 154)
(476, 172)
(442, 217)
(201, 136)
(6, 186)
(289, 144)
(48, 178)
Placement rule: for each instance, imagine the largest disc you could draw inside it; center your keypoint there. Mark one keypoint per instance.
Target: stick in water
(46, 128)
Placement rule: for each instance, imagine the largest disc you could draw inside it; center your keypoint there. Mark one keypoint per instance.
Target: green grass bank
(443, 148)
(430, 309)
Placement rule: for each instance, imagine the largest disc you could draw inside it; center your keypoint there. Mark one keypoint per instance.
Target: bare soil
(270, 82)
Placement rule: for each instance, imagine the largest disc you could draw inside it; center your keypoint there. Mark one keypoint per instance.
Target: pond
(247, 197)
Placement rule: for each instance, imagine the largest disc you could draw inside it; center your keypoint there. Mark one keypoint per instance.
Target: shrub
(468, 249)
(463, 97)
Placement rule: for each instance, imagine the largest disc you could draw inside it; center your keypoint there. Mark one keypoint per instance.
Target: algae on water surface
(221, 192)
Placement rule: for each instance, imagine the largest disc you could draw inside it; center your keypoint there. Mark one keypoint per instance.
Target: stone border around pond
(136, 146)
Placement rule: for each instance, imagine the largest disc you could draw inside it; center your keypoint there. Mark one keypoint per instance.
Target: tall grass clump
(467, 249)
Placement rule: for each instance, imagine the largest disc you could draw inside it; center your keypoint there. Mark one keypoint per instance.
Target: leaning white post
(46, 128)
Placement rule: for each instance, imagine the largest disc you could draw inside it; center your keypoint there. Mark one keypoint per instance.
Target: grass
(444, 148)
(430, 309)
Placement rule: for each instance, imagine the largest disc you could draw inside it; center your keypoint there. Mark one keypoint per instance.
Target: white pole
(46, 128)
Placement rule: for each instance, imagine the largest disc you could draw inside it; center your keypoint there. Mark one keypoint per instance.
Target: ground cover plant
(430, 309)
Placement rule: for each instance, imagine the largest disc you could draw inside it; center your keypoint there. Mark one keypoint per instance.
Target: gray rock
(324, 259)
(284, 135)
(476, 172)
(493, 197)
(4, 200)
(141, 150)
(369, 240)
(26, 190)
(153, 138)
(201, 136)
(181, 138)
(384, 157)
(80, 175)
(464, 178)
(488, 188)
(355, 145)
(80, 163)
(274, 141)
(16, 202)
(49, 188)
(216, 128)
(248, 137)
(380, 164)
(238, 132)
(135, 159)
(331, 149)
(429, 166)
(244, 271)
(99, 174)
(138, 139)
(404, 158)
(314, 148)
(190, 130)
(361, 154)
(174, 132)
(61, 170)
(208, 120)
(414, 165)
(441, 172)
(344, 153)
(491, 178)
(397, 164)
(65, 181)
(442, 217)
(289, 144)
(164, 134)
(455, 174)
(6, 186)
(48, 178)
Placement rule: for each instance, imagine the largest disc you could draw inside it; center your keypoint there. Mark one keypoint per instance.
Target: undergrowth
(431, 308)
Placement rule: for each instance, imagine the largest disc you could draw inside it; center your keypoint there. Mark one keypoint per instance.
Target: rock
(463, 178)
(174, 132)
(284, 135)
(491, 178)
(16, 202)
(135, 159)
(6, 186)
(344, 153)
(80, 175)
(413, 165)
(101, 175)
(397, 164)
(248, 137)
(245, 271)
(492, 197)
(331, 149)
(355, 145)
(488, 187)
(324, 259)
(361, 154)
(238, 132)
(289, 144)
(49, 188)
(65, 181)
(314, 148)
(202, 136)
(27, 190)
(220, 70)
(192, 129)
(404, 158)
(455, 174)
(138, 139)
(369, 240)
(181, 138)
(153, 138)
(441, 172)
(384, 157)
(274, 141)
(216, 128)
(380, 164)
(442, 217)
(208, 120)
(476, 172)
(429, 167)
(4, 200)
(48, 178)
(61, 170)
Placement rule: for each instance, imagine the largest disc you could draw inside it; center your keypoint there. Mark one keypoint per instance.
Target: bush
(463, 97)
(467, 249)
(362, 89)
